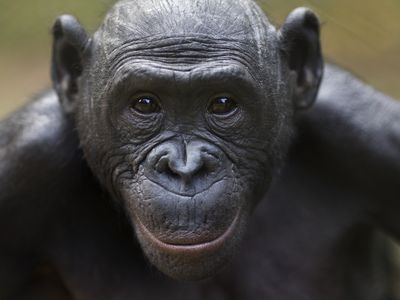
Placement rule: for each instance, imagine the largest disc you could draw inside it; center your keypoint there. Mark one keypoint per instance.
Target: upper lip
(183, 194)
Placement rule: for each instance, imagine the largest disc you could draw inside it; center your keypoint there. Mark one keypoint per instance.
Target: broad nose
(184, 161)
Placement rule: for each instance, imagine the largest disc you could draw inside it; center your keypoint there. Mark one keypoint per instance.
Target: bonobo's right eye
(222, 106)
(146, 105)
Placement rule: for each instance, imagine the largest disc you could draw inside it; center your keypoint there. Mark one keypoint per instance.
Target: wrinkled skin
(163, 141)
(186, 168)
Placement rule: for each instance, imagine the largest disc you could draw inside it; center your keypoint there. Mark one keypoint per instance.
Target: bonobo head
(184, 109)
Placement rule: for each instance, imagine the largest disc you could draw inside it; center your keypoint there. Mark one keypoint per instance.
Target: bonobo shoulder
(347, 107)
(348, 91)
(356, 128)
(28, 122)
(36, 127)
(36, 143)
(42, 173)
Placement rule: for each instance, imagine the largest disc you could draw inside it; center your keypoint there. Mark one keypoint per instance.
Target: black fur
(268, 199)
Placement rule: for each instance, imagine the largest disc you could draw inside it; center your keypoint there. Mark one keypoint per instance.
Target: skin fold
(180, 155)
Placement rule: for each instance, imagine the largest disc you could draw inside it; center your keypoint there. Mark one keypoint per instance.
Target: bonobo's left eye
(146, 105)
(222, 106)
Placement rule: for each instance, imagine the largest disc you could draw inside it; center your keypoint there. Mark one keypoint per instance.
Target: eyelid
(144, 94)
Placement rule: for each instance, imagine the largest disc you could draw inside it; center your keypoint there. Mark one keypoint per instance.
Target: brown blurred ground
(361, 35)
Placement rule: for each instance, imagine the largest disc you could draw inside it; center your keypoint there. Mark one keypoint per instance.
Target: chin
(192, 262)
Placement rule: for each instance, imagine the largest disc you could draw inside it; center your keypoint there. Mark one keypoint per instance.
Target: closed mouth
(188, 249)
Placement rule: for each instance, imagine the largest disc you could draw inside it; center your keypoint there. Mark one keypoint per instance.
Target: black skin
(198, 157)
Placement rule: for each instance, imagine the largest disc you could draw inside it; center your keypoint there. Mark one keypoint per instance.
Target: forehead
(240, 20)
(183, 53)
(186, 32)
(143, 18)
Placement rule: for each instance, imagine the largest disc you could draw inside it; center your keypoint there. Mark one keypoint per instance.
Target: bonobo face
(188, 154)
(184, 112)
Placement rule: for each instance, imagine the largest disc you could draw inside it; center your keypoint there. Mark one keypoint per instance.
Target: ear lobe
(70, 43)
(300, 46)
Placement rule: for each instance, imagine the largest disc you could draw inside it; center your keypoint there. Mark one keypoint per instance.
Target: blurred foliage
(361, 35)
(25, 23)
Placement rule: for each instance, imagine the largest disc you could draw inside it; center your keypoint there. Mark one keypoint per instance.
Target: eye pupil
(222, 106)
(146, 105)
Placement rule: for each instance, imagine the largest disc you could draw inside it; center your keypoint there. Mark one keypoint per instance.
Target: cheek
(112, 162)
(254, 172)
(134, 128)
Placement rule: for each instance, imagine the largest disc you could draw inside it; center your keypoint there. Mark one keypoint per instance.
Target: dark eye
(222, 106)
(146, 105)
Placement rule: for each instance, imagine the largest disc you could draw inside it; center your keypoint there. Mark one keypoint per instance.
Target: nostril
(167, 166)
(171, 174)
(172, 171)
(187, 171)
(191, 162)
(211, 162)
(162, 164)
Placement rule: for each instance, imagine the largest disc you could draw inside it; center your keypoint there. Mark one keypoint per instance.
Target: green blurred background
(361, 35)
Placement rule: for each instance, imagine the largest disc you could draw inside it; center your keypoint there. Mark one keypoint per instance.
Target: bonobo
(161, 136)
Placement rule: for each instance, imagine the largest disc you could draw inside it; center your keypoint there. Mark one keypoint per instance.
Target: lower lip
(211, 246)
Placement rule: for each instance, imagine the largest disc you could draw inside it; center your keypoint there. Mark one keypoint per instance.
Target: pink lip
(191, 249)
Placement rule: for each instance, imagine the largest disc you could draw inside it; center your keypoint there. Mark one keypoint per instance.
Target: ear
(300, 45)
(70, 44)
